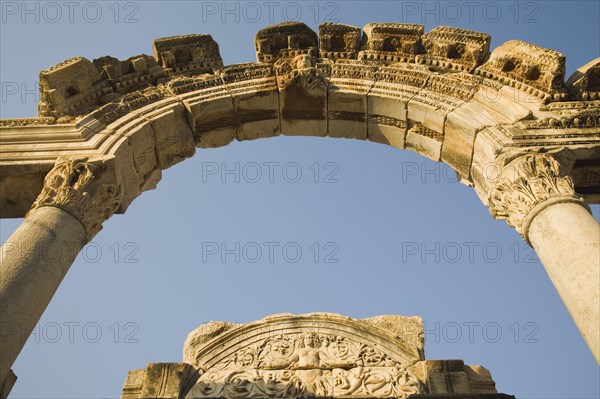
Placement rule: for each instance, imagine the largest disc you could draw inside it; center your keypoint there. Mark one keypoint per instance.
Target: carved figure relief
(307, 365)
(299, 71)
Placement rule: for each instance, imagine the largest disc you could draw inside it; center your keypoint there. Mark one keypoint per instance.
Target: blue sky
(364, 229)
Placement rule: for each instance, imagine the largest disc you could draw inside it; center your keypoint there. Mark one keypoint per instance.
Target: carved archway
(505, 121)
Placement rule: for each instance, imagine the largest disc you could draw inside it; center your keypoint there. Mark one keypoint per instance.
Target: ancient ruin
(314, 355)
(509, 122)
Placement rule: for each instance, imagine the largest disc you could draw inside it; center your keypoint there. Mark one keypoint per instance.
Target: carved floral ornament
(83, 189)
(526, 186)
(308, 364)
(299, 71)
(315, 355)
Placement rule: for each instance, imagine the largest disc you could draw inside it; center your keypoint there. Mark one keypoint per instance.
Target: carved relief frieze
(309, 364)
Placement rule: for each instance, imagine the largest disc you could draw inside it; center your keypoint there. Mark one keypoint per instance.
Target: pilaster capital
(83, 187)
(529, 184)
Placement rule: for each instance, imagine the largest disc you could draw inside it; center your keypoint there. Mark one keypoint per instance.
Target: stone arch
(459, 107)
(92, 151)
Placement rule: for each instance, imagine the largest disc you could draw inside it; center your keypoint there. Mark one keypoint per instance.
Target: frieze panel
(458, 85)
(247, 71)
(405, 75)
(184, 84)
(35, 121)
(308, 364)
(129, 102)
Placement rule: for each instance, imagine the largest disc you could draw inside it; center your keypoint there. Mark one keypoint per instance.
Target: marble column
(78, 195)
(536, 195)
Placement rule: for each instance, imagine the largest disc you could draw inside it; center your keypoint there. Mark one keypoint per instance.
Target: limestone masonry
(514, 128)
(313, 355)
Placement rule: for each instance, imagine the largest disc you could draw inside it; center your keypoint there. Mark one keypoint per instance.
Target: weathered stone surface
(434, 93)
(309, 355)
(71, 87)
(454, 48)
(390, 43)
(29, 279)
(253, 88)
(160, 381)
(425, 141)
(173, 135)
(83, 188)
(526, 185)
(313, 355)
(188, 54)
(584, 84)
(345, 93)
(302, 96)
(285, 40)
(337, 41)
(532, 69)
(554, 233)
(386, 120)
(347, 104)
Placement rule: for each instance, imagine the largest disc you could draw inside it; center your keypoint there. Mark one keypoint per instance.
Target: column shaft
(567, 240)
(34, 260)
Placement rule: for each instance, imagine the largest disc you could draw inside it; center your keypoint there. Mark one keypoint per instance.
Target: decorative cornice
(82, 188)
(526, 186)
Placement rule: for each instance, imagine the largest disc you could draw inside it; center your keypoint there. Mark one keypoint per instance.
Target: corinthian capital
(526, 186)
(82, 188)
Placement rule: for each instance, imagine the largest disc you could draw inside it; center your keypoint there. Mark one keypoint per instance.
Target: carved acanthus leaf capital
(82, 188)
(526, 186)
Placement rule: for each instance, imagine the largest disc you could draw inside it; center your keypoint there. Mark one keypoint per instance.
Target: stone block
(174, 136)
(424, 141)
(347, 113)
(386, 121)
(304, 112)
